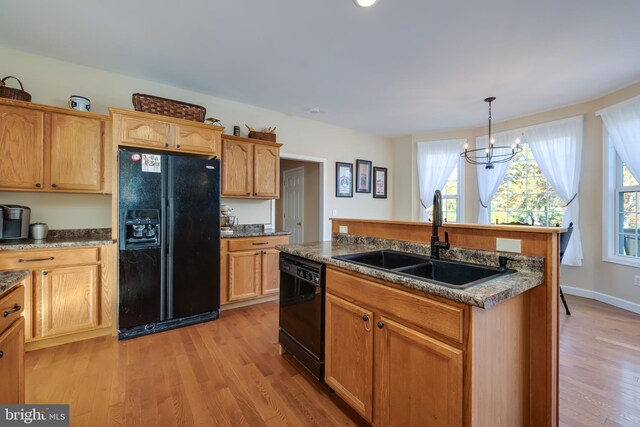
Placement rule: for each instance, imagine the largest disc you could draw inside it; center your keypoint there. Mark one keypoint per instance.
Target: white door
(293, 203)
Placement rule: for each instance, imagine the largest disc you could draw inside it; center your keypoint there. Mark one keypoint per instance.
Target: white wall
(595, 275)
(51, 81)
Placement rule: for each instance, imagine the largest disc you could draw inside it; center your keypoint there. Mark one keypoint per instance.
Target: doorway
(300, 206)
(293, 203)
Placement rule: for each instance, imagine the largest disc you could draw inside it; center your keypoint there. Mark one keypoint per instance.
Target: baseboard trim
(607, 299)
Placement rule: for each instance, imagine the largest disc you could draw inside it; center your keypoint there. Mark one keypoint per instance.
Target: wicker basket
(265, 136)
(168, 107)
(12, 93)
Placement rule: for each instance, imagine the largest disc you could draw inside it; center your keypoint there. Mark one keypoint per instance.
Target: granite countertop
(63, 239)
(252, 230)
(8, 279)
(530, 270)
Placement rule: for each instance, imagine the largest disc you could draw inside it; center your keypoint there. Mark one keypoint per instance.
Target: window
(627, 212)
(525, 196)
(451, 206)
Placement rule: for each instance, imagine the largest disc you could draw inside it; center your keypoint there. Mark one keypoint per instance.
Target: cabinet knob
(1, 354)
(54, 185)
(44, 273)
(248, 194)
(380, 324)
(365, 318)
(178, 146)
(257, 253)
(166, 145)
(38, 185)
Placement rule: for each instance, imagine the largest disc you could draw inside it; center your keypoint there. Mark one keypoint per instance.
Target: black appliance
(169, 241)
(14, 222)
(302, 295)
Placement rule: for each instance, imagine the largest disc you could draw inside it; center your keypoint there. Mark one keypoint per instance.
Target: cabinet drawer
(257, 243)
(11, 306)
(427, 314)
(35, 259)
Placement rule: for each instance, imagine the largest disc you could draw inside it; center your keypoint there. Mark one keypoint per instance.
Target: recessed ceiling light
(315, 110)
(364, 3)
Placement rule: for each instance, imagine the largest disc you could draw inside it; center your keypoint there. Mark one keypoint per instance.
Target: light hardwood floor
(228, 372)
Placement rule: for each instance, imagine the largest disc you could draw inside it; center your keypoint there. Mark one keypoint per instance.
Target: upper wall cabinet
(145, 130)
(250, 168)
(44, 148)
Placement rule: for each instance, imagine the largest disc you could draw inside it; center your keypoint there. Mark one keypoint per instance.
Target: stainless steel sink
(453, 274)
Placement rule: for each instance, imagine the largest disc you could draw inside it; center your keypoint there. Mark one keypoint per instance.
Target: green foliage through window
(525, 196)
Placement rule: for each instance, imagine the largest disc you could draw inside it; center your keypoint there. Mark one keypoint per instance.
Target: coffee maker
(14, 222)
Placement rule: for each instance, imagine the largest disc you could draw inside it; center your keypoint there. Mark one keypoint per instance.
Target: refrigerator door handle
(170, 235)
(163, 251)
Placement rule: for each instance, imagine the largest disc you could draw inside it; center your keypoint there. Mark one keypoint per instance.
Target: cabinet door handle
(248, 194)
(16, 308)
(36, 259)
(53, 185)
(178, 146)
(1, 354)
(166, 145)
(365, 318)
(44, 273)
(259, 243)
(380, 324)
(257, 253)
(38, 185)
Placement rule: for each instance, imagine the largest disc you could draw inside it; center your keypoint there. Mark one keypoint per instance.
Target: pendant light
(492, 154)
(364, 3)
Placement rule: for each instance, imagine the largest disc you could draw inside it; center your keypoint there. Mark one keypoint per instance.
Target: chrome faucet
(436, 244)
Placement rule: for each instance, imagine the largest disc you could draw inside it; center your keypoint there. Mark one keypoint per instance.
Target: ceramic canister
(80, 103)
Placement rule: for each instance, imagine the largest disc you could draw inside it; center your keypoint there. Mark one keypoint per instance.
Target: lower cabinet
(250, 268)
(66, 300)
(70, 293)
(391, 373)
(12, 346)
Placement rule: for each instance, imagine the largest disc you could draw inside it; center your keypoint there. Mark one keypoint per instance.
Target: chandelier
(492, 154)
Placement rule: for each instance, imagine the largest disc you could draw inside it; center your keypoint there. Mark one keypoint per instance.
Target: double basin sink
(453, 274)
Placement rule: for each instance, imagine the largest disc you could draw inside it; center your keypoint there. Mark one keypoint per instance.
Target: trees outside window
(525, 196)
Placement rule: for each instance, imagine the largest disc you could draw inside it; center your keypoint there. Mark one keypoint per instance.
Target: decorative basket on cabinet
(13, 93)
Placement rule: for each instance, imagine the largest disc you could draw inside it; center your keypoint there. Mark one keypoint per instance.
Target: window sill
(630, 262)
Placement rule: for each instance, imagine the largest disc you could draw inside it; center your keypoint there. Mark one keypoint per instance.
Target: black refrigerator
(169, 241)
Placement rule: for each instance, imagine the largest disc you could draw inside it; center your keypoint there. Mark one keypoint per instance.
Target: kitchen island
(402, 351)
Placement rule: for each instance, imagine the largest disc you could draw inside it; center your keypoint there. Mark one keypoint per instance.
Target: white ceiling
(402, 66)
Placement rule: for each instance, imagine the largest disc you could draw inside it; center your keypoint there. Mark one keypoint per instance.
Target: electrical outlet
(509, 245)
(637, 281)
(344, 229)
(335, 213)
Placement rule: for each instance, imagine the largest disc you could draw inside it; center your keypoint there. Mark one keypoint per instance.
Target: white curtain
(490, 179)
(436, 161)
(557, 148)
(622, 122)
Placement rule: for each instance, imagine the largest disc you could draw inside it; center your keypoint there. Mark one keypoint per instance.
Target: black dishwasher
(302, 292)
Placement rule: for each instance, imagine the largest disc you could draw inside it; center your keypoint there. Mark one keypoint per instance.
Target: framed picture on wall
(363, 176)
(344, 179)
(380, 183)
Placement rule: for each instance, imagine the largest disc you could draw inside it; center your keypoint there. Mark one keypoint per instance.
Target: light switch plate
(344, 229)
(509, 245)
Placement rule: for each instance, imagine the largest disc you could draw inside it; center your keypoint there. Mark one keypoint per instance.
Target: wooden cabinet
(145, 130)
(66, 300)
(76, 153)
(52, 149)
(420, 378)
(12, 345)
(21, 148)
(244, 275)
(70, 293)
(237, 168)
(250, 168)
(270, 271)
(266, 171)
(249, 268)
(391, 371)
(349, 353)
